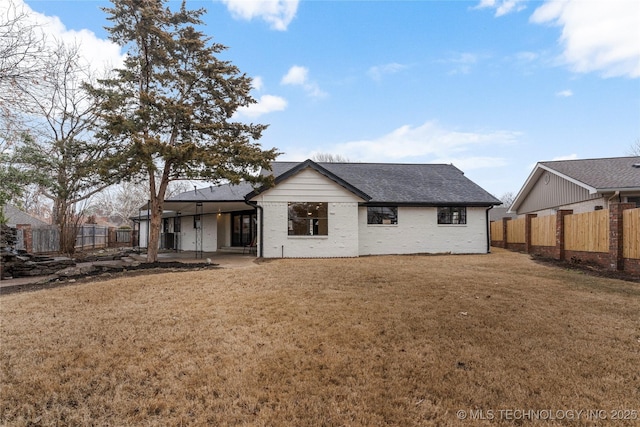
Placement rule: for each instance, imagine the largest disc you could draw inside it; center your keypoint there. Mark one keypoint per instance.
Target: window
(452, 215)
(382, 215)
(308, 219)
(635, 200)
(176, 224)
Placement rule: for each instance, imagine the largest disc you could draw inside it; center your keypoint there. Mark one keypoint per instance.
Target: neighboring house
(580, 185)
(335, 210)
(15, 216)
(496, 214)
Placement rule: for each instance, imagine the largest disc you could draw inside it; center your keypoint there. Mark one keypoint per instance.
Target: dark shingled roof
(16, 216)
(611, 173)
(219, 193)
(377, 183)
(410, 184)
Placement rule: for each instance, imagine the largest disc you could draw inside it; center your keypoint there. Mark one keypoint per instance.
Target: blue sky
(491, 86)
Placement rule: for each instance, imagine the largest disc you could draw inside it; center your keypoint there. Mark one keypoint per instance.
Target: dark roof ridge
(365, 163)
(594, 158)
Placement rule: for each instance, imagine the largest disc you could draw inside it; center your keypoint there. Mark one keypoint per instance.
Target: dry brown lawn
(404, 341)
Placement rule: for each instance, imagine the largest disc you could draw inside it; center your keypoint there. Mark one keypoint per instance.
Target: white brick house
(337, 210)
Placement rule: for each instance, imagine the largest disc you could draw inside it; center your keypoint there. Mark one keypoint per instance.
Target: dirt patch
(589, 268)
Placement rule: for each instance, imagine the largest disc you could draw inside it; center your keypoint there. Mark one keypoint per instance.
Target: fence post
(504, 232)
(527, 232)
(27, 235)
(616, 239)
(560, 214)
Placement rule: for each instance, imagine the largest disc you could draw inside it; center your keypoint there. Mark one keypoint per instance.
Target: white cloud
(502, 7)
(100, 54)
(564, 93)
(277, 13)
(296, 75)
(600, 36)
(299, 76)
(266, 104)
(430, 142)
(376, 72)
(508, 6)
(257, 83)
(462, 62)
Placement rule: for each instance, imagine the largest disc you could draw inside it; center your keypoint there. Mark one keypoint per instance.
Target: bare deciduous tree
(22, 47)
(61, 117)
(329, 158)
(508, 199)
(21, 50)
(635, 148)
(123, 201)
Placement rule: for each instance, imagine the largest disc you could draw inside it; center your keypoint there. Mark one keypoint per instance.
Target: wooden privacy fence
(588, 232)
(515, 231)
(610, 238)
(496, 231)
(631, 232)
(543, 231)
(45, 239)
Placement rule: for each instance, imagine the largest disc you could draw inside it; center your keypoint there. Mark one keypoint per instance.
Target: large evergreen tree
(168, 112)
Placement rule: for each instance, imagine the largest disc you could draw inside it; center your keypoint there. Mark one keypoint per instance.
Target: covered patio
(205, 220)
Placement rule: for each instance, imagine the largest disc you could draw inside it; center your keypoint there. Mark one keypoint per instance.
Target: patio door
(243, 228)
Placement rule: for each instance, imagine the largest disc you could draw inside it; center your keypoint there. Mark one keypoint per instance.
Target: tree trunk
(154, 228)
(157, 208)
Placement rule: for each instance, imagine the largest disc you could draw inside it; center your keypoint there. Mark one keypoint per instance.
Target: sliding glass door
(243, 228)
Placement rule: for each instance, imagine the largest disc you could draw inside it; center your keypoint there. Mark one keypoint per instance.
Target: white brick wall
(418, 231)
(349, 234)
(310, 186)
(341, 241)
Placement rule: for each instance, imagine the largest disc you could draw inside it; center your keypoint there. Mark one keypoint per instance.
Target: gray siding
(553, 192)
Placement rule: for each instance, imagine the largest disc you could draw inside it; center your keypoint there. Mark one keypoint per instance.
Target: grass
(405, 341)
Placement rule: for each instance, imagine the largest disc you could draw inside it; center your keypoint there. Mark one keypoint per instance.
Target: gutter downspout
(256, 206)
(488, 229)
(616, 194)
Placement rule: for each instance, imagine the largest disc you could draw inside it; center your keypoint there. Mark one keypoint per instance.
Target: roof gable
(593, 176)
(282, 174)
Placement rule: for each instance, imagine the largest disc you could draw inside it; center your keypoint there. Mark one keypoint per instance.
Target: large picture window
(452, 215)
(382, 215)
(308, 219)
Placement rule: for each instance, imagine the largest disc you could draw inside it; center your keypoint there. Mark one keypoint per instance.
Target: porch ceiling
(189, 208)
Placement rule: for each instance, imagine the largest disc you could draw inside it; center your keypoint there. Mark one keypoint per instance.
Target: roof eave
(614, 189)
(432, 204)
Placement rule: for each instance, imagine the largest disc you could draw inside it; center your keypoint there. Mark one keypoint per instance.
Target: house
(23, 223)
(496, 214)
(335, 210)
(15, 216)
(579, 185)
